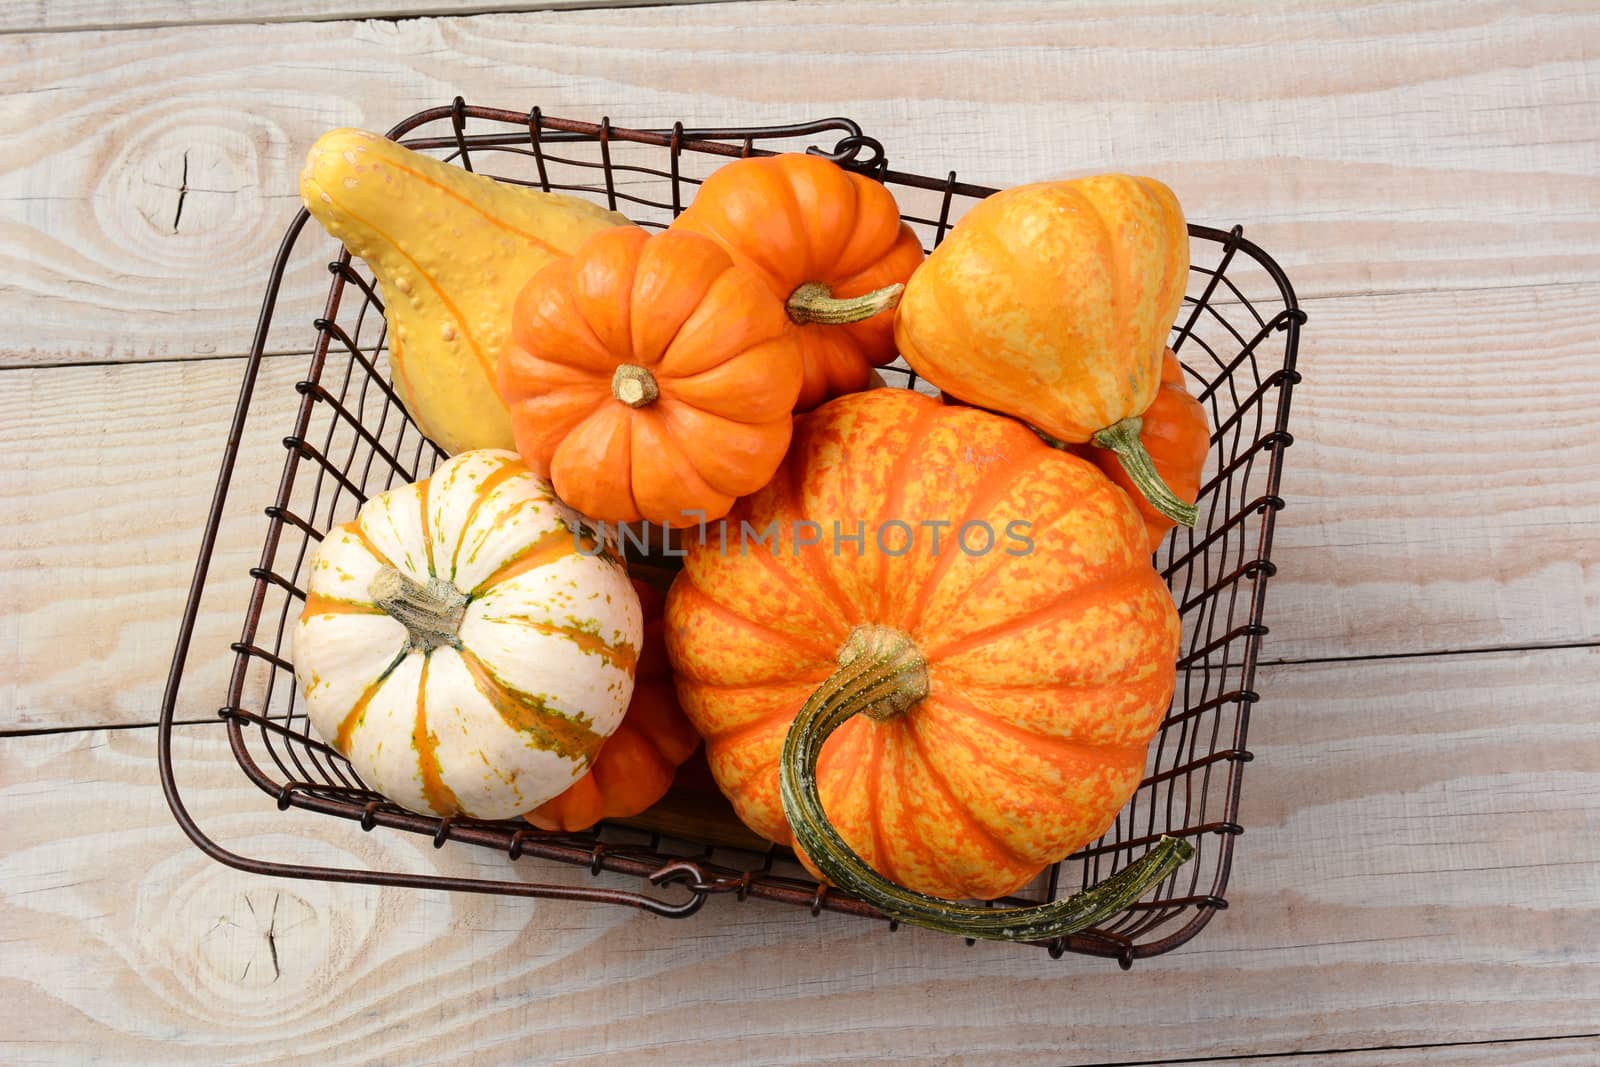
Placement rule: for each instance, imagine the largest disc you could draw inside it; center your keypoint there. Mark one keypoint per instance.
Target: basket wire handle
(882, 674)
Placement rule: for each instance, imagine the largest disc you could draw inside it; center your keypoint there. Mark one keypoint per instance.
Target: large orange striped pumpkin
(464, 643)
(1009, 692)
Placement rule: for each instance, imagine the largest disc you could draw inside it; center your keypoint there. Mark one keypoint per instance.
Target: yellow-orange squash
(636, 765)
(1052, 302)
(451, 250)
(998, 623)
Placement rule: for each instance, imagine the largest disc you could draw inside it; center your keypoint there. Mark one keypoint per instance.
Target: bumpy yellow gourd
(451, 250)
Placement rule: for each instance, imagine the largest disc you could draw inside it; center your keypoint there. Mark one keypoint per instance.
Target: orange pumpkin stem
(815, 302)
(1123, 439)
(882, 674)
(634, 386)
(431, 613)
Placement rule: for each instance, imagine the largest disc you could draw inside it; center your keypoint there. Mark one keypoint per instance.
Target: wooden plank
(1419, 865)
(1428, 510)
(102, 532)
(1581, 1051)
(72, 16)
(1336, 134)
(1444, 488)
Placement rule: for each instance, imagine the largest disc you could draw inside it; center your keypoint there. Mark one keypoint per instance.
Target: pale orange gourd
(1046, 662)
(1052, 302)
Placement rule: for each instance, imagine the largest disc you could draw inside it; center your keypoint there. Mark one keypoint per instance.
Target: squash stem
(1123, 439)
(634, 385)
(882, 674)
(815, 302)
(431, 613)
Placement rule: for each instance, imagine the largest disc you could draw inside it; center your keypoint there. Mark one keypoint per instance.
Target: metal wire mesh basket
(1236, 337)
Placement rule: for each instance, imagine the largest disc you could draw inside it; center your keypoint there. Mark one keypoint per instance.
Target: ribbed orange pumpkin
(829, 243)
(1052, 302)
(1046, 662)
(648, 377)
(1175, 432)
(636, 767)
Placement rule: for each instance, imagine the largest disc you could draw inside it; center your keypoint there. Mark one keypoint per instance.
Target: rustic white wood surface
(1420, 866)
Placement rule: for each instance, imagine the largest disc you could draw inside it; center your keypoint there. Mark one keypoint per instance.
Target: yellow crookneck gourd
(451, 250)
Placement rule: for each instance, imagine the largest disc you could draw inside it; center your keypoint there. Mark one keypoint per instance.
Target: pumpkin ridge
(736, 735)
(622, 656)
(1117, 253)
(816, 648)
(918, 433)
(874, 815)
(677, 329)
(463, 328)
(322, 604)
(668, 390)
(952, 697)
(977, 830)
(353, 528)
(574, 316)
(809, 678)
(913, 621)
(440, 797)
(352, 718)
(769, 562)
(507, 470)
(427, 529)
(568, 736)
(664, 425)
(1048, 612)
(547, 548)
(817, 568)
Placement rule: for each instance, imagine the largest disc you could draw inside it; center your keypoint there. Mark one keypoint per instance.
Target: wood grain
(63, 16)
(1419, 865)
(1338, 135)
(1581, 1051)
(1428, 509)
(1444, 487)
(112, 474)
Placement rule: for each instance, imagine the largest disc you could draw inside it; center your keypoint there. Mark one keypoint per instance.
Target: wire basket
(1236, 337)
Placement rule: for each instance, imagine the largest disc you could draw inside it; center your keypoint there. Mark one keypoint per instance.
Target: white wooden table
(1420, 872)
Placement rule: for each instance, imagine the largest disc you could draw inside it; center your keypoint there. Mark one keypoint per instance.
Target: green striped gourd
(465, 643)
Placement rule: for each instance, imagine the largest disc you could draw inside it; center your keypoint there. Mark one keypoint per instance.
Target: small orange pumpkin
(1052, 302)
(829, 243)
(1007, 695)
(636, 766)
(1175, 432)
(649, 377)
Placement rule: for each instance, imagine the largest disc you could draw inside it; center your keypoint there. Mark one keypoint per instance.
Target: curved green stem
(1123, 439)
(882, 674)
(815, 302)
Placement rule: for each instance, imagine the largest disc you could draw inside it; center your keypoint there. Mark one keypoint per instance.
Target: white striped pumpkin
(461, 646)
